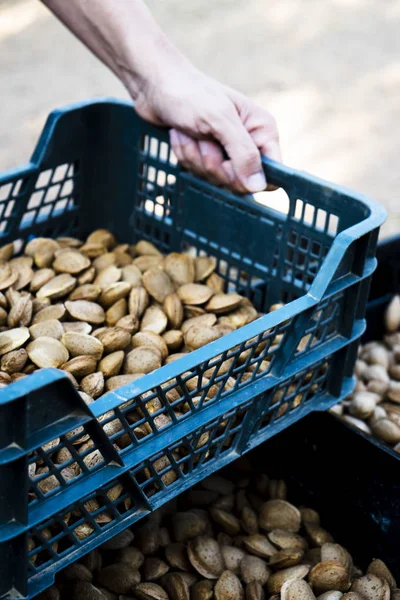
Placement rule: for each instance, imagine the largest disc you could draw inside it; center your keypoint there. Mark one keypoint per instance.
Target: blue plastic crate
(99, 165)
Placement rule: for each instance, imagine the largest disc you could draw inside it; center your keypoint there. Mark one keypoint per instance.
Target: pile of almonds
(225, 541)
(108, 313)
(374, 407)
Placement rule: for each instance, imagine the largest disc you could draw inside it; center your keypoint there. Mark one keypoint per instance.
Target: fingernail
(256, 182)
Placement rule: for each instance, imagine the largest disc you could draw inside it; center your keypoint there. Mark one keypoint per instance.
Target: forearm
(123, 34)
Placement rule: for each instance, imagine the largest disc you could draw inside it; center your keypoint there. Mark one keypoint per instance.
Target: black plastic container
(354, 486)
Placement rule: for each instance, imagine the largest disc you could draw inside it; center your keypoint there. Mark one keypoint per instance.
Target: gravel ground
(329, 71)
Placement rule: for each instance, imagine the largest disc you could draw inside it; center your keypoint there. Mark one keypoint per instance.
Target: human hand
(206, 119)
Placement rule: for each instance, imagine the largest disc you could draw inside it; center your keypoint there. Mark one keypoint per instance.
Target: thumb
(243, 154)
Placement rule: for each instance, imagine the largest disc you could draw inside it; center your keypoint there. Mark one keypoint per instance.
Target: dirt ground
(329, 70)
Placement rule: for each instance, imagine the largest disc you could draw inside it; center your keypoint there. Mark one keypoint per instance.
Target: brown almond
(202, 590)
(143, 359)
(232, 557)
(50, 328)
(87, 276)
(194, 294)
(392, 315)
(197, 337)
(77, 326)
(132, 275)
(8, 276)
(174, 310)
(93, 384)
(378, 568)
(107, 276)
(205, 557)
(6, 252)
(228, 587)
(149, 338)
(146, 262)
(87, 291)
(40, 278)
(116, 312)
(329, 575)
(83, 310)
(296, 589)
(111, 364)
(21, 312)
(371, 587)
(229, 523)
(143, 247)
(259, 545)
(118, 381)
(114, 339)
(180, 268)
(287, 539)
(223, 303)
(41, 243)
(150, 591)
(81, 344)
(59, 286)
(277, 580)
(103, 237)
(173, 339)
(47, 352)
(55, 311)
(13, 339)
(279, 514)
(70, 260)
(118, 578)
(138, 301)
(205, 320)
(157, 284)
(114, 292)
(216, 283)
(14, 361)
(253, 568)
(154, 319)
(204, 267)
(80, 366)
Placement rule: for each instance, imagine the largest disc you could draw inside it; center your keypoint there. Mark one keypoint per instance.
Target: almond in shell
(13, 339)
(158, 284)
(194, 294)
(143, 359)
(79, 344)
(59, 286)
(83, 310)
(47, 352)
(174, 310)
(154, 319)
(70, 260)
(180, 268)
(51, 328)
(205, 557)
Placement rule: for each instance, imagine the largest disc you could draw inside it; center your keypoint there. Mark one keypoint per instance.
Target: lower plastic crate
(99, 165)
(352, 484)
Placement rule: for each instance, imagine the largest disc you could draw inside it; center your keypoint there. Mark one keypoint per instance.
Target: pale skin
(204, 116)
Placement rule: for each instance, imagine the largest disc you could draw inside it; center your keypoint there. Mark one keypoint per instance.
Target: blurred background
(329, 71)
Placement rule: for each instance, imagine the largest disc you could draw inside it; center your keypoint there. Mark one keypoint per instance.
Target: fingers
(213, 161)
(203, 157)
(242, 151)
